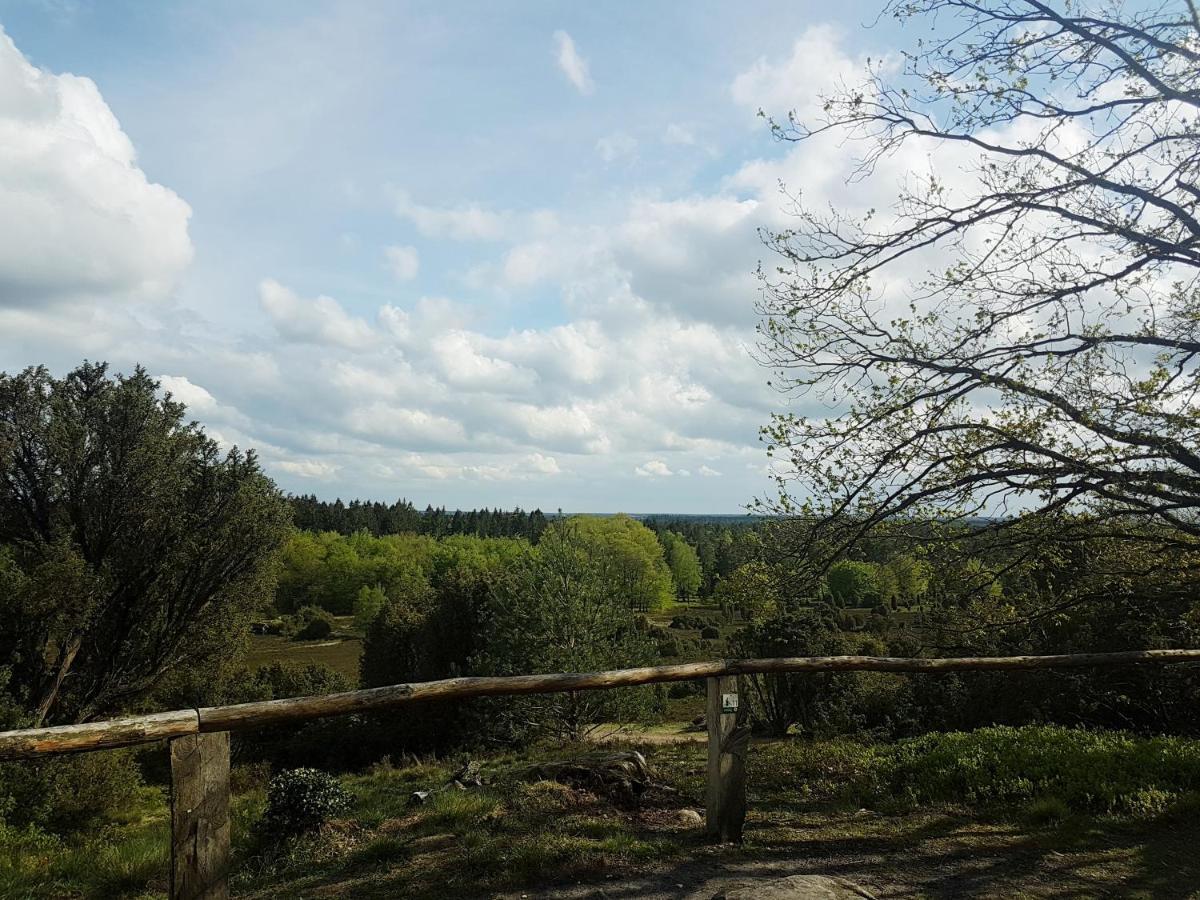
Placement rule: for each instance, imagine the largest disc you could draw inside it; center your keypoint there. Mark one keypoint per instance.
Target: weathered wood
(98, 735)
(727, 744)
(253, 715)
(142, 729)
(267, 712)
(200, 817)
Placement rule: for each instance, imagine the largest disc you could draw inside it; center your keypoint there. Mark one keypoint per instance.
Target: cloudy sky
(470, 253)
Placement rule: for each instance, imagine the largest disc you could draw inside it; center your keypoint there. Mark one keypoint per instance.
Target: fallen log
(622, 777)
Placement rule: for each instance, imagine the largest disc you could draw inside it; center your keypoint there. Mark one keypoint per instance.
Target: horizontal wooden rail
(147, 728)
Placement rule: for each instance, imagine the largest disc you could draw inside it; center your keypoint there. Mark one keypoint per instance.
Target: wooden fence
(199, 738)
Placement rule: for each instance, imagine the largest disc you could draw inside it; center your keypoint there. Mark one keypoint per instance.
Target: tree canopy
(130, 545)
(1036, 346)
(629, 557)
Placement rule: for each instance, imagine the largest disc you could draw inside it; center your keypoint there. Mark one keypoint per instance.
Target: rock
(796, 887)
(689, 818)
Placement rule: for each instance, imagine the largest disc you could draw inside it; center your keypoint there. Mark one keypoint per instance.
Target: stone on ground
(796, 887)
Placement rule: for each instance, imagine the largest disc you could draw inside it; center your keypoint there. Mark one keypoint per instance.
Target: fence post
(200, 817)
(727, 745)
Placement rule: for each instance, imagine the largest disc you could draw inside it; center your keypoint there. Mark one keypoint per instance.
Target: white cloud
(195, 398)
(462, 223)
(817, 65)
(573, 65)
(708, 472)
(309, 468)
(614, 146)
(463, 365)
(654, 468)
(404, 262)
(78, 218)
(406, 427)
(319, 321)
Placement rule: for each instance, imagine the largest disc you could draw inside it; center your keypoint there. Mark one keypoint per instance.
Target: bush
(324, 743)
(68, 792)
(312, 624)
(813, 703)
(301, 800)
(710, 633)
(1047, 811)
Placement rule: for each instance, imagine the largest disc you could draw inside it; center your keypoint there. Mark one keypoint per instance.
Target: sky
(471, 254)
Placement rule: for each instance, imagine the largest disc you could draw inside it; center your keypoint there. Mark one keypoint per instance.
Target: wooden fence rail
(199, 738)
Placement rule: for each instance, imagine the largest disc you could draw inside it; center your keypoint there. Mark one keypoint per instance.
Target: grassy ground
(512, 838)
(340, 651)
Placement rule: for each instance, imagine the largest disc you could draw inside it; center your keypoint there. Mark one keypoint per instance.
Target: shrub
(815, 703)
(302, 800)
(710, 633)
(324, 743)
(312, 624)
(67, 792)
(1047, 811)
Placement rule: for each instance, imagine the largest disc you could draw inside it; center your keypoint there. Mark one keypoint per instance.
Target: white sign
(729, 703)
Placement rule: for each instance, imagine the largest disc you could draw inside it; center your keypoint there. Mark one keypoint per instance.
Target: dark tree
(130, 546)
(1041, 351)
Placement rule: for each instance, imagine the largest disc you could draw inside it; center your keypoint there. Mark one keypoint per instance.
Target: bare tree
(1043, 356)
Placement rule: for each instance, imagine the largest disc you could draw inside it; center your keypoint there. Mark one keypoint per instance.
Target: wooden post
(727, 745)
(200, 817)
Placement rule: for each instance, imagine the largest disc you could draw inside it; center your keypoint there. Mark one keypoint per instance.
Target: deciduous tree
(1037, 345)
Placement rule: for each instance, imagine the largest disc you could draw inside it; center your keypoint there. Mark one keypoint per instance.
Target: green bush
(65, 793)
(325, 743)
(312, 624)
(710, 633)
(301, 800)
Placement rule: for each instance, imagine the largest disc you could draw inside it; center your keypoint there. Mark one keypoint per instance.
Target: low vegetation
(1069, 790)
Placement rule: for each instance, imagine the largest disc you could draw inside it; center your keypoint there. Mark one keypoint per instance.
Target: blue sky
(471, 253)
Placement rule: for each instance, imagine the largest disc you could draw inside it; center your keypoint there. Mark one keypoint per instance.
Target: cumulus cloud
(404, 262)
(818, 63)
(319, 321)
(78, 218)
(195, 398)
(573, 65)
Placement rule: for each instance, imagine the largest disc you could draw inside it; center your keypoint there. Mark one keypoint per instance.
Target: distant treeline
(402, 517)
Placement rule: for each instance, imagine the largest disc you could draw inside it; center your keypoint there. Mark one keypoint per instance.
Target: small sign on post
(727, 743)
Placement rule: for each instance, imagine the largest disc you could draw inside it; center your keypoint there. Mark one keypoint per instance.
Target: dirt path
(941, 860)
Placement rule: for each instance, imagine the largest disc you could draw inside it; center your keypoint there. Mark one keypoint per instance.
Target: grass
(340, 651)
(830, 806)
(126, 858)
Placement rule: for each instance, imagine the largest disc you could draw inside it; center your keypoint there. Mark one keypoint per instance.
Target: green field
(340, 651)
